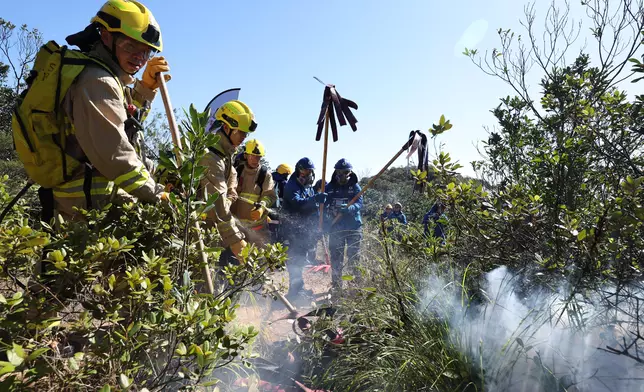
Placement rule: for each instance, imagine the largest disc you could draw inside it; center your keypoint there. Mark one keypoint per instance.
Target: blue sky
(400, 63)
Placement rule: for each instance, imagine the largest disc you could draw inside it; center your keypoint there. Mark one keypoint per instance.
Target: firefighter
(103, 148)
(234, 120)
(301, 212)
(256, 194)
(347, 230)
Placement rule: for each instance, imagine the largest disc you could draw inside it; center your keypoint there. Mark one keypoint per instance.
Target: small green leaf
(36, 353)
(14, 358)
(124, 382)
(106, 388)
(581, 235)
(133, 329)
(19, 351)
(7, 368)
(347, 277)
(181, 349)
(73, 364)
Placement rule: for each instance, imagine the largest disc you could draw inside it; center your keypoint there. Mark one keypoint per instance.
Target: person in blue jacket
(398, 214)
(347, 231)
(280, 177)
(437, 215)
(301, 215)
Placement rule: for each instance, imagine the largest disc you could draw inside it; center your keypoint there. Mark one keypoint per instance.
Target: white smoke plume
(545, 341)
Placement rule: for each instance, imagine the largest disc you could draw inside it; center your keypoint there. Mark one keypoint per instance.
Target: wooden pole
(174, 131)
(371, 181)
(326, 148)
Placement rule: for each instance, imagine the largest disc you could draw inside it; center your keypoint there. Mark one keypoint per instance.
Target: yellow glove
(257, 213)
(154, 66)
(237, 247)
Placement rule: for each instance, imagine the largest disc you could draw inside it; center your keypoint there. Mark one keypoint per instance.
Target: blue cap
(304, 164)
(343, 164)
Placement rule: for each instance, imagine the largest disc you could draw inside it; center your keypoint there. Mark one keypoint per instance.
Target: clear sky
(401, 63)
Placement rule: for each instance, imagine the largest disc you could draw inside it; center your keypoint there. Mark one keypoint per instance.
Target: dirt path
(263, 312)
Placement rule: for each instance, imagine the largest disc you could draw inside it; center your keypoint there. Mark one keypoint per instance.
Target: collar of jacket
(353, 179)
(100, 52)
(279, 176)
(224, 144)
(294, 180)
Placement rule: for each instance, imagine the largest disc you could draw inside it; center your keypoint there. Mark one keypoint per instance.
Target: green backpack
(40, 126)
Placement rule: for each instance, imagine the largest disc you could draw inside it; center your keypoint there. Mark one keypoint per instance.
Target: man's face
(131, 55)
(397, 209)
(252, 161)
(237, 137)
(388, 210)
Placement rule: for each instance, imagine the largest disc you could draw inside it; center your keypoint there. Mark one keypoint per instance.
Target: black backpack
(263, 171)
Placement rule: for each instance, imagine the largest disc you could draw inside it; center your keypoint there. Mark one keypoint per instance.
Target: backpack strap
(239, 168)
(227, 161)
(261, 177)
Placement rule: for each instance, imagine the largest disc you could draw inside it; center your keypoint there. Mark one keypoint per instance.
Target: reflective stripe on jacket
(250, 193)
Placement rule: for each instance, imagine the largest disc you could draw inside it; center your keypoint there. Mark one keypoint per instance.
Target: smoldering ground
(547, 340)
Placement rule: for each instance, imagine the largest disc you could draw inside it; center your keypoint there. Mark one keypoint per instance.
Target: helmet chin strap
(228, 134)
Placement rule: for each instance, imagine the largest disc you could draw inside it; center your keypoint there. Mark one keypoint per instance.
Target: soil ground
(262, 312)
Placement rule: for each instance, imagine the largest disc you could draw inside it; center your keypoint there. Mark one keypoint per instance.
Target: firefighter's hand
(237, 247)
(258, 212)
(166, 204)
(320, 197)
(154, 66)
(164, 197)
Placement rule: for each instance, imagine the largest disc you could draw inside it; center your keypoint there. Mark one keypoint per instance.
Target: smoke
(547, 340)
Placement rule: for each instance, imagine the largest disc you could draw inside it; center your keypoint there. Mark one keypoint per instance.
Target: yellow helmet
(132, 19)
(254, 147)
(285, 168)
(237, 115)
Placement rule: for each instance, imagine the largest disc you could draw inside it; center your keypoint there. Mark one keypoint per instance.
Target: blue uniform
(433, 215)
(280, 182)
(347, 231)
(300, 215)
(399, 216)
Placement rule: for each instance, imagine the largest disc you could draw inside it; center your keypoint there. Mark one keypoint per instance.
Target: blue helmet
(343, 164)
(304, 164)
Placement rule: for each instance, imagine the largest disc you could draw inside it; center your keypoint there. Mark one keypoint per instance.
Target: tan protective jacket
(249, 193)
(95, 104)
(221, 177)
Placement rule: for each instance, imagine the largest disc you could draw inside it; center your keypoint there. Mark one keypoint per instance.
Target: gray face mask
(305, 180)
(342, 176)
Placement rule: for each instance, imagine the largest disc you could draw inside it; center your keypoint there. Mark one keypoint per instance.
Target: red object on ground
(339, 339)
(305, 389)
(317, 268)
